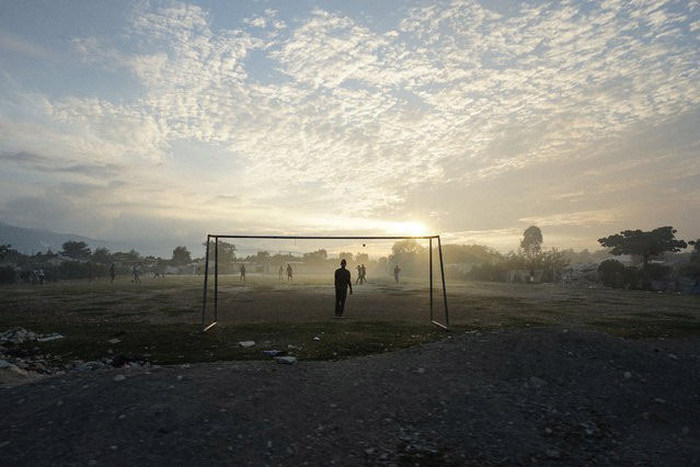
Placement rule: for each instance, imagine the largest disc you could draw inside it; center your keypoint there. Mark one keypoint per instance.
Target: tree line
(76, 260)
(530, 262)
(652, 261)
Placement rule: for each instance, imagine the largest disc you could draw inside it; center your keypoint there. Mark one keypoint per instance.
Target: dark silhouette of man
(343, 281)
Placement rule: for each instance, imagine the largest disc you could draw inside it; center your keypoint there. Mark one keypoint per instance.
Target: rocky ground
(528, 396)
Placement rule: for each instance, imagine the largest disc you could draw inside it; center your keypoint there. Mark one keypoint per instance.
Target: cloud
(360, 123)
(583, 218)
(35, 162)
(19, 45)
(557, 77)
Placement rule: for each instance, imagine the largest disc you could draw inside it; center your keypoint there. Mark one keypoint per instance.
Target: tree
(102, 256)
(181, 256)
(261, 257)
(695, 254)
(316, 257)
(4, 250)
(407, 247)
(470, 254)
(692, 269)
(76, 250)
(531, 246)
(347, 256)
(226, 251)
(362, 258)
(553, 262)
(612, 273)
(132, 256)
(532, 241)
(646, 245)
(408, 254)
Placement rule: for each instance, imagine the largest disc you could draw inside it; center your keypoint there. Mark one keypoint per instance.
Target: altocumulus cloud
(359, 121)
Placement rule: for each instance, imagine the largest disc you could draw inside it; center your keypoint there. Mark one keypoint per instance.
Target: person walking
(397, 271)
(343, 281)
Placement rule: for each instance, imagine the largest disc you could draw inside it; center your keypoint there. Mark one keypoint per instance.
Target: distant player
(112, 273)
(242, 268)
(290, 272)
(280, 272)
(397, 271)
(343, 281)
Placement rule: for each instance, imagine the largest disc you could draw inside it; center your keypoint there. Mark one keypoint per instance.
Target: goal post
(211, 266)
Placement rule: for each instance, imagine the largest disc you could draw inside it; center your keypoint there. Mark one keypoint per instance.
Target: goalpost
(214, 258)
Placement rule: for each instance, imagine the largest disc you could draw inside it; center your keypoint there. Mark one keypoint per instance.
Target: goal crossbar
(215, 237)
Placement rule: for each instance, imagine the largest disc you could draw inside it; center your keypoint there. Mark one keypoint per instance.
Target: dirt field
(264, 299)
(528, 375)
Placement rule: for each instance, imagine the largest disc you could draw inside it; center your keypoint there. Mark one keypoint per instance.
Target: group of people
(37, 276)
(361, 274)
(135, 273)
(290, 273)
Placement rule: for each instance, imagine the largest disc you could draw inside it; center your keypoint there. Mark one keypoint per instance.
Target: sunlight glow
(407, 228)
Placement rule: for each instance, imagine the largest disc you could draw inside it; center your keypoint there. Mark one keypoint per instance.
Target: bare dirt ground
(503, 397)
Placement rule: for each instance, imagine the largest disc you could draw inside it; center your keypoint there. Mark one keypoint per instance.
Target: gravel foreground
(508, 397)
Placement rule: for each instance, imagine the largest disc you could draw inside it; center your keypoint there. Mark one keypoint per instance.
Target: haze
(164, 121)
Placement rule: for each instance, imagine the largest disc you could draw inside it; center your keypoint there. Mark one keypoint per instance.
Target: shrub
(77, 270)
(658, 272)
(487, 272)
(7, 275)
(611, 273)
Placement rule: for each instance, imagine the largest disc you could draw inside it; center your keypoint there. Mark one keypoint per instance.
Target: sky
(153, 123)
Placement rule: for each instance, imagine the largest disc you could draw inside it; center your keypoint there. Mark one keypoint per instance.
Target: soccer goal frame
(215, 237)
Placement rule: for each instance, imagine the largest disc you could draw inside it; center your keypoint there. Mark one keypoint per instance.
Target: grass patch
(176, 343)
(173, 311)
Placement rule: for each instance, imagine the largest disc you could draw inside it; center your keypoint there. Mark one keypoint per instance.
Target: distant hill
(30, 241)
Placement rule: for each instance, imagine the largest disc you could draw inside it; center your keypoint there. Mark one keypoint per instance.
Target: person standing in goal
(343, 281)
